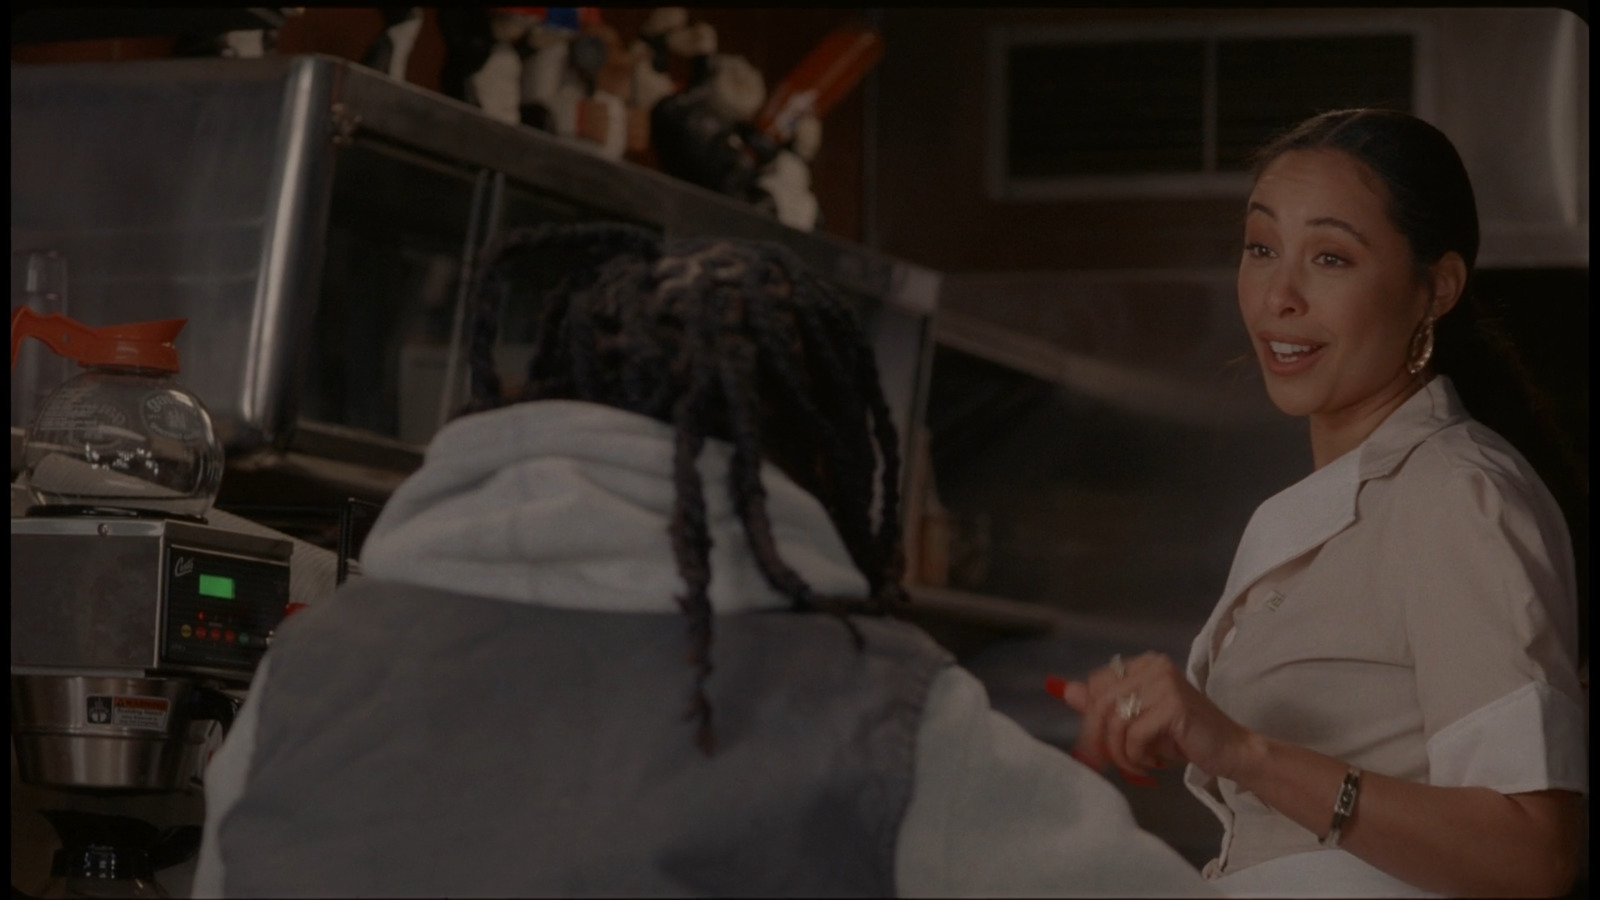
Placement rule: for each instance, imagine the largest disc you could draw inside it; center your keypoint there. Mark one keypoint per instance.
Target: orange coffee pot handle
(144, 344)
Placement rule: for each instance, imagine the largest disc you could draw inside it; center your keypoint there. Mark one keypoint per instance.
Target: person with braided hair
(628, 632)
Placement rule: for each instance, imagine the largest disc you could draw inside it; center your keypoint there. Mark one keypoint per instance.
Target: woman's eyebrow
(1327, 221)
(1340, 224)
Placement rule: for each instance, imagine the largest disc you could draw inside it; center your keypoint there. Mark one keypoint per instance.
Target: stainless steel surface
(290, 253)
(18, 437)
(185, 189)
(178, 532)
(89, 593)
(1511, 89)
(452, 130)
(449, 129)
(58, 745)
(66, 612)
(202, 188)
(897, 299)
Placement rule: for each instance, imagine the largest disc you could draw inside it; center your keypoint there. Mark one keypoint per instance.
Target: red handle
(144, 344)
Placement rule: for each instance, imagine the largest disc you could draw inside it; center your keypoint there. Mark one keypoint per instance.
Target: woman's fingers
(1148, 741)
(1144, 716)
(1125, 715)
(1129, 727)
(1074, 693)
(1092, 737)
(1142, 709)
(1115, 700)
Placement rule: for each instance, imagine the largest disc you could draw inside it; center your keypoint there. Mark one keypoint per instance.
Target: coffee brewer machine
(131, 618)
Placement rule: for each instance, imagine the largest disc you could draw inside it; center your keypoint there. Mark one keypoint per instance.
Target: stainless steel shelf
(1022, 618)
(994, 613)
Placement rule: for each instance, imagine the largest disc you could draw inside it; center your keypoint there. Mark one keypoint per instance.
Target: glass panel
(398, 227)
(39, 282)
(898, 344)
(154, 184)
(1105, 108)
(1267, 85)
(532, 274)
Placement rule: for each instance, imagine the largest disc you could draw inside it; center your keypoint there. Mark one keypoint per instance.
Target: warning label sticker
(146, 713)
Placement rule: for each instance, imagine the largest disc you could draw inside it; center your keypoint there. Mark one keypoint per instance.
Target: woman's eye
(1329, 259)
(1259, 251)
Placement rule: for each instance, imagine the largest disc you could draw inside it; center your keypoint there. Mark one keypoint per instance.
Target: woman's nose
(1284, 296)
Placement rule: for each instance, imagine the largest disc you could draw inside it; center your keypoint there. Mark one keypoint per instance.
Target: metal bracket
(345, 123)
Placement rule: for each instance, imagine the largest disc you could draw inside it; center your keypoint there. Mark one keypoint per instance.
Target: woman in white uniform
(1386, 700)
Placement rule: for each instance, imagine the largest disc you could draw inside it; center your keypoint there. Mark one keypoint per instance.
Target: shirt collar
(1426, 412)
(1319, 506)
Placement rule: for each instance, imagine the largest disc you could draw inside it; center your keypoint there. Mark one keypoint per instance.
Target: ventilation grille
(1085, 109)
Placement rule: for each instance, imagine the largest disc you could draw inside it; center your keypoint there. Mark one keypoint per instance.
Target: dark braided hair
(1431, 202)
(726, 339)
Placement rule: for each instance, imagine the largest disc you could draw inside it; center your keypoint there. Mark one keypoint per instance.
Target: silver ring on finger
(1118, 668)
(1128, 706)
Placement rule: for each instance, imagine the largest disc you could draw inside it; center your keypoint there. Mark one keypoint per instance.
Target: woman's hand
(1144, 713)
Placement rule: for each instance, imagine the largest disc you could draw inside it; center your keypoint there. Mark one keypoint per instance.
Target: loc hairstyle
(1432, 203)
(727, 339)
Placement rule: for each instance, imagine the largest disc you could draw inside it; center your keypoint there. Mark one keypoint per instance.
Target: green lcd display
(216, 586)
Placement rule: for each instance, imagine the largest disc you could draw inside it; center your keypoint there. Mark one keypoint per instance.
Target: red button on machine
(228, 637)
(216, 634)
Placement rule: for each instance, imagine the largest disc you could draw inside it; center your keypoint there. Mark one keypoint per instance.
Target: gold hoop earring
(1421, 347)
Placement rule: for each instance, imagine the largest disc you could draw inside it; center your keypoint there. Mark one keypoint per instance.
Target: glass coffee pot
(122, 437)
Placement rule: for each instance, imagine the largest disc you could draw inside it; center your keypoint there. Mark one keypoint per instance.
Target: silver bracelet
(1343, 806)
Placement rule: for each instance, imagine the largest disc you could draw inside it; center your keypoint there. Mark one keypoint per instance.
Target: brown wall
(930, 202)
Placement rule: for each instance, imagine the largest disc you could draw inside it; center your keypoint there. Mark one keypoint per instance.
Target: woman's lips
(1286, 357)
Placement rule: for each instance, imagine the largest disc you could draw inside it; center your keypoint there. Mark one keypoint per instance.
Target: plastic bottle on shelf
(123, 436)
(823, 78)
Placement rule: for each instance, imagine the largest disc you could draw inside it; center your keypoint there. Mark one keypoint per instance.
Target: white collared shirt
(1409, 608)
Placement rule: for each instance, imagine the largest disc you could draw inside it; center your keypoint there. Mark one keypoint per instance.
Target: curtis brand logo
(184, 566)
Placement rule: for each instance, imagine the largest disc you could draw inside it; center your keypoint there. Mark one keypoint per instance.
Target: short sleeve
(1482, 556)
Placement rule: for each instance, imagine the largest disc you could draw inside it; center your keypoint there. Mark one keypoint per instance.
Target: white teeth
(1283, 349)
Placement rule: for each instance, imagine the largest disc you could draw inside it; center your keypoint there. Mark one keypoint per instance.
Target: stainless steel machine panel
(97, 594)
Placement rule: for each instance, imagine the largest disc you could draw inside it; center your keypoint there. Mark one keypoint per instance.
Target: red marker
(1057, 686)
